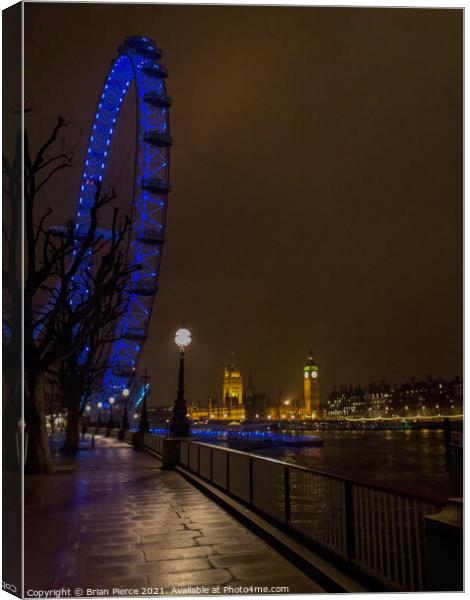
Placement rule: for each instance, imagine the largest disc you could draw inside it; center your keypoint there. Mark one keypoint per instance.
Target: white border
(380, 4)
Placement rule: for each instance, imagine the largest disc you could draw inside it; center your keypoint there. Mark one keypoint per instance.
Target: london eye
(137, 63)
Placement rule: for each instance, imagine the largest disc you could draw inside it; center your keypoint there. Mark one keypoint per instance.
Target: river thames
(411, 461)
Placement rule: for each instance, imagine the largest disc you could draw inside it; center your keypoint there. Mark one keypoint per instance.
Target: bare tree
(57, 314)
(12, 307)
(81, 373)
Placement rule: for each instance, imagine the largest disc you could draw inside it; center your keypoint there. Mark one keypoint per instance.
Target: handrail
(376, 531)
(375, 486)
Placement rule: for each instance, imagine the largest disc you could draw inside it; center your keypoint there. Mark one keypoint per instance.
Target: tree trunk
(72, 434)
(38, 456)
(11, 431)
(11, 404)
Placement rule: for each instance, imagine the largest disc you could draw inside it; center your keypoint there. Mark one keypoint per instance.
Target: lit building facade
(232, 392)
(311, 388)
(346, 402)
(426, 398)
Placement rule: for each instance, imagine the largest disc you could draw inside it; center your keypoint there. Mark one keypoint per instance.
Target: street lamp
(125, 419)
(111, 401)
(144, 426)
(180, 422)
(99, 406)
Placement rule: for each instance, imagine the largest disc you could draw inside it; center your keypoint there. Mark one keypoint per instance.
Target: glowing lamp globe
(125, 392)
(111, 400)
(183, 338)
(100, 405)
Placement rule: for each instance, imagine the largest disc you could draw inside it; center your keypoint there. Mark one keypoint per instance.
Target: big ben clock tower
(311, 388)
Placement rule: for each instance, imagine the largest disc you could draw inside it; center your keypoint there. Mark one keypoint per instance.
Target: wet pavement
(113, 520)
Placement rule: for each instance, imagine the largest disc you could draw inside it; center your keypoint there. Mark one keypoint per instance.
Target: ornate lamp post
(88, 409)
(99, 406)
(144, 426)
(125, 417)
(111, 401)
(180, 422)
(124, 425)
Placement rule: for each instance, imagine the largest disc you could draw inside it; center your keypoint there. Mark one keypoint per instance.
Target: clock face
(314, 374)
(306, 374)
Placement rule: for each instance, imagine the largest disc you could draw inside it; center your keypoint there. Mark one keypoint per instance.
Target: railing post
(349, 519)
(199, 460)
(251, 479)
(211, 467)
(287, 493)
(227, 465)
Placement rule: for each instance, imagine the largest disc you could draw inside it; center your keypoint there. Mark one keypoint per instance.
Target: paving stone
(229, 528)
(105, 571)
(76, 557)
(104, 528)
(116, 514)
(236, 548)
(103, 537)
(108, 549)
(167, 544)
(207, 577)
(215, 521)
(248, 558)
(178, 535)
(182, 565)
(161, 529)
(174, 553)
(224, 539)
(206, 514)
(282, 569)
(97, 582)
(126, 523)
(92, 520)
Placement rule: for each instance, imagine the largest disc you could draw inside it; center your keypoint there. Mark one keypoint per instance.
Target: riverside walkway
(112, 520)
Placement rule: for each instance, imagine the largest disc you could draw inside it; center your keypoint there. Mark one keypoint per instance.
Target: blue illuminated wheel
(138, 62)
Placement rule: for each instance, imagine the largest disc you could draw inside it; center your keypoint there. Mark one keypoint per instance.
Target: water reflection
(407, 460)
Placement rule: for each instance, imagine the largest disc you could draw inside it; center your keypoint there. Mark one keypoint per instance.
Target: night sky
(316, 177)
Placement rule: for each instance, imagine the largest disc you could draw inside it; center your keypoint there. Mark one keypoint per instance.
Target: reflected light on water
(411, 459)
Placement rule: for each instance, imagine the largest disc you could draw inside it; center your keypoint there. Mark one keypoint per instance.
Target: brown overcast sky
(316, 175)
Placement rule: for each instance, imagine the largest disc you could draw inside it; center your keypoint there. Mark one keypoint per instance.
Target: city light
(125, 392)
(183, 338)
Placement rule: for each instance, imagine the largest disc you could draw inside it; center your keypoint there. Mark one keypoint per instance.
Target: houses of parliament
(240, 402)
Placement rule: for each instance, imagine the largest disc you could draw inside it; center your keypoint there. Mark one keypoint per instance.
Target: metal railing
(153, 442)
(378, 531)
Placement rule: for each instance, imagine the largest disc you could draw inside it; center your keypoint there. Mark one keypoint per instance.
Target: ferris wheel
(138, 63)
